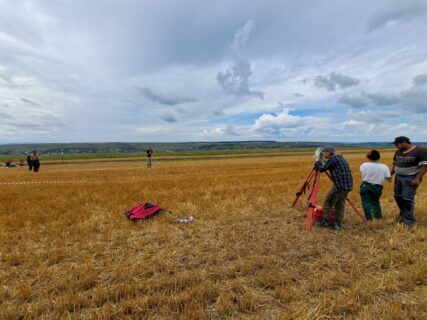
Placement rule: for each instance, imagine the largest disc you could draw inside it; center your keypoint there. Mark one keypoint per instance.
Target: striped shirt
(409, 164)
(340, 172)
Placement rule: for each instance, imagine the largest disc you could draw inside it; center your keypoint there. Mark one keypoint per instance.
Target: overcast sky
(191, 70)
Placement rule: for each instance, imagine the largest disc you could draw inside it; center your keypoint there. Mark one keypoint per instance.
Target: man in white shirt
(374, 174)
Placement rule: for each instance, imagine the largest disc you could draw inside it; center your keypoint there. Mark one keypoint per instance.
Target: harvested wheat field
(68, 252)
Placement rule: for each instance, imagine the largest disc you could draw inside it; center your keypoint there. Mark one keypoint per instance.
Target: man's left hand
(416, 182)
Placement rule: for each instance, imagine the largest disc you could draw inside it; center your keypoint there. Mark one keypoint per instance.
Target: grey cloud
(375, 116)
(229, 130)
(168, 117)
(28, 101)
(4, 115)
(217, 113)
(181, 111)
(335, 80)
(381, 99)
(235, 80)
(420, 80)
(415, 99)
(398, 11)
(365, 99)
(39, 122)
(162, 99)
(355, 102)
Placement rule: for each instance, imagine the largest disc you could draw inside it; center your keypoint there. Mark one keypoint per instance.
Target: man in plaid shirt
(343, 184)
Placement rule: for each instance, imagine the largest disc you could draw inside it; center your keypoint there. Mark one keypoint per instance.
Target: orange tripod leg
(304, 186)
(312, 202)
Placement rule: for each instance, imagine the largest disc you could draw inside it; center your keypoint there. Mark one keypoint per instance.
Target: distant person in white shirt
(374, 174)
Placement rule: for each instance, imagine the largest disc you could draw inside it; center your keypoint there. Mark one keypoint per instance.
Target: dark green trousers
(370, 195)
(335, 200)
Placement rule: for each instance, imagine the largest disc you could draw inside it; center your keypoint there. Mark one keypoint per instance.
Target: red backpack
(142, 211)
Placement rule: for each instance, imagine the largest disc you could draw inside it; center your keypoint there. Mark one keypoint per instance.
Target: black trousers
(36, 165)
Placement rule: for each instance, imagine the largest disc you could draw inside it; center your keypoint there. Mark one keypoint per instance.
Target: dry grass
(68, 252)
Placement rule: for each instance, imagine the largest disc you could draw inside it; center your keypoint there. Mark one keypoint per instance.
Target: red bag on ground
(318, 214)
(142, 211)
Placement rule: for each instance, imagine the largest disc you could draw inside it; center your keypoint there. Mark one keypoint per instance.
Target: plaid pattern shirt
(340, 172)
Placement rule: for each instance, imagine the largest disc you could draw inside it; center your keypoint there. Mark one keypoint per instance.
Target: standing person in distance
(150, 152)
(410, 165)
(343, 183)
(29, 162)
(35, 160)
(373, 174)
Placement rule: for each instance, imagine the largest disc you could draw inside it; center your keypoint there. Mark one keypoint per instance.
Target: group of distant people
(33, 161)
(409, 166)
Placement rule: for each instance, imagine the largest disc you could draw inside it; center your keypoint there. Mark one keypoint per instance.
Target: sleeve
(394, 158)
(423, 157)
(329, 165)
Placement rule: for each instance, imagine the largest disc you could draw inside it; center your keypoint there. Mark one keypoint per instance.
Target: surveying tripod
(315, 176)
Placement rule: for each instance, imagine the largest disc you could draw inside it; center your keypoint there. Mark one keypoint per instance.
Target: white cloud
(227, 131)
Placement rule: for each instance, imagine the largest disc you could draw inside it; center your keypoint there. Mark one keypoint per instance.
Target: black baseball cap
(401, 139)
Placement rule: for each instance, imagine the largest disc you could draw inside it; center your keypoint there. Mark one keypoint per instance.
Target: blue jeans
(404, 194)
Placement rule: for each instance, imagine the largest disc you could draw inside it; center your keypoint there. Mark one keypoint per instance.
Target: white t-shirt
(374, 172)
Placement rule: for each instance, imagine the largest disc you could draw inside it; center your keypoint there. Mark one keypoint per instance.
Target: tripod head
(319, 154)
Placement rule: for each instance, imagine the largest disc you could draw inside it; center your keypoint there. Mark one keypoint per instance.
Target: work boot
(336, 226)
(323, 223)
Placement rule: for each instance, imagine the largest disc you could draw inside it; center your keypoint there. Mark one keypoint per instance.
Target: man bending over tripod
(343, 183)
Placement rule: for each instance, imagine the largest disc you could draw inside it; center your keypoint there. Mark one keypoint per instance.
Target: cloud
(397, 11)
(220, 132)
(375, 117)
(35, 124)
(286, 124)
(420, 80)
(4, 115)
(168, 117)
(381, 99)
(415, 99)
(235, 80)
(365, 99)
(31, 102)
(242, 36)
(217, 113)
(354, 102)
(335, 80)
(169, 101)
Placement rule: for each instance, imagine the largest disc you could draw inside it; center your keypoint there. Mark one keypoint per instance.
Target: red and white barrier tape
(47, 182)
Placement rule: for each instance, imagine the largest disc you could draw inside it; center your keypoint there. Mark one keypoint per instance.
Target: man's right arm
(323, 168)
